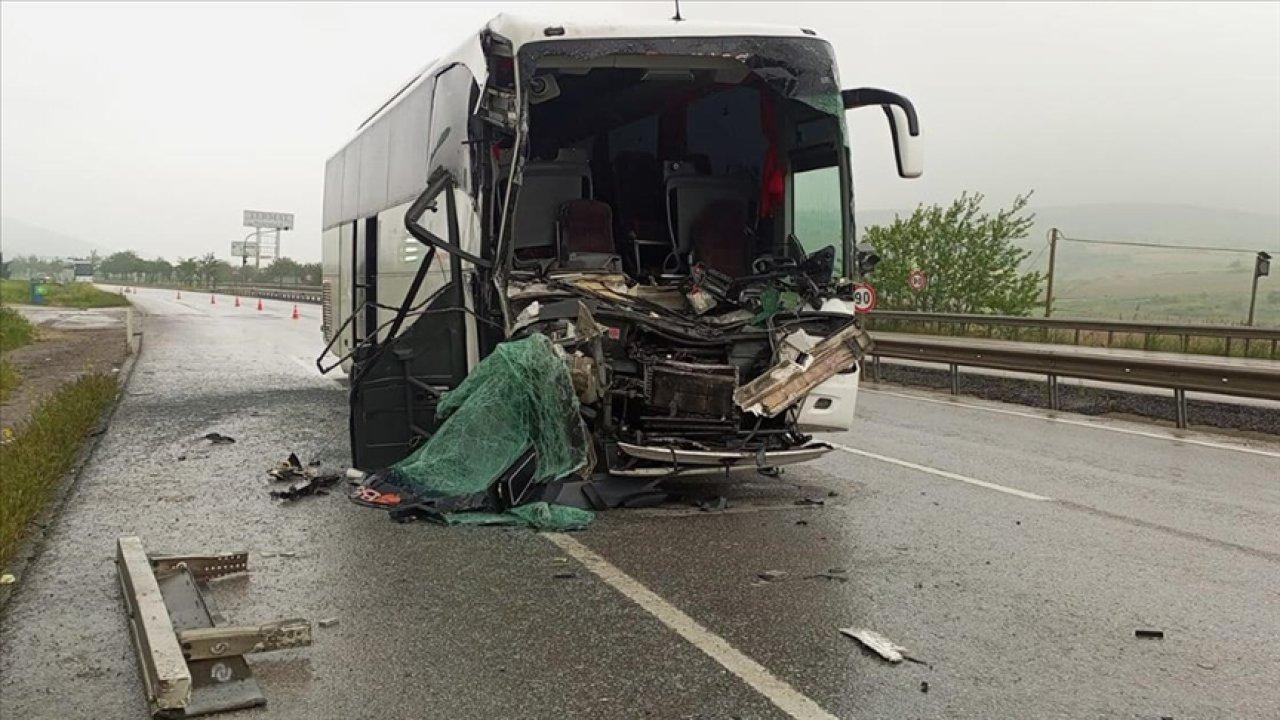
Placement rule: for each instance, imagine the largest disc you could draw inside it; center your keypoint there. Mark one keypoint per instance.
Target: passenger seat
(584, 236)
(691, 196)
(720, 237)
(546, 186)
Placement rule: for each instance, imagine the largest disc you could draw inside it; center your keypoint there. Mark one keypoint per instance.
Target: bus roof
(520, 30)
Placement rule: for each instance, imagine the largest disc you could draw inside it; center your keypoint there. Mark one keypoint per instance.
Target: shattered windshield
(660, 157)
(802, 69)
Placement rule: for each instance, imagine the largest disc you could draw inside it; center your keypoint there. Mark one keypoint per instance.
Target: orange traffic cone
(296, 314)
(237, 301)
(259, 303)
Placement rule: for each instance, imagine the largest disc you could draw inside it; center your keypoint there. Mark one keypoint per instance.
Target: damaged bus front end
(669, 205)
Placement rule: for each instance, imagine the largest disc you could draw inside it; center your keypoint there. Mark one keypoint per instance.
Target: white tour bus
(671, 203)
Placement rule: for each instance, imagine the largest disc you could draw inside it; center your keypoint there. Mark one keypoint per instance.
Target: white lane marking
(1082, 423)
(777, 691)
(942, 473)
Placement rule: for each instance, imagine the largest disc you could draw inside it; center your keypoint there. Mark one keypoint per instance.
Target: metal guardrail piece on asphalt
(164, 670)
(190, 665)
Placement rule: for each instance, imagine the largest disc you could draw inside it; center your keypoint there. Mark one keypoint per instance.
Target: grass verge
(15, 332)
(35, 461)
(9, 378)
(76, 294)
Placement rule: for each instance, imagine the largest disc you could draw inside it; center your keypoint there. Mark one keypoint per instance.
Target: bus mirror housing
(904, 126)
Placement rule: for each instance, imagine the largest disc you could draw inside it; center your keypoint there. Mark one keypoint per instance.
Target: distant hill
(1176, 224)
(1139, 283)
(18, 237)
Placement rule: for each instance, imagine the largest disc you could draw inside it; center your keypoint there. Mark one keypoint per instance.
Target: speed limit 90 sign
(864, 297)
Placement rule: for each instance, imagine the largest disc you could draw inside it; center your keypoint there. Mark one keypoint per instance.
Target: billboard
(243, 248)
(273, 220)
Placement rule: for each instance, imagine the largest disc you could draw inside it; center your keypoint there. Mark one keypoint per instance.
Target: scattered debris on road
(219, 439)
(924, 686)
(565, 575)
(881, 645)
(327, 622)
(1149, 634)
(718, 503)
(191, 665)
(303, 480)
(832, 574)
(811, 501)
(289, 469)
(7, 579)
(771, 575)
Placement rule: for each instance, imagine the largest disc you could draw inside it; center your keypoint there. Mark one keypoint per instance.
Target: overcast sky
(151, 126)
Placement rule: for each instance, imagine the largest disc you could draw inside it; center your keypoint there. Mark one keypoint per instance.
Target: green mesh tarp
(537, 515)
(520, 395)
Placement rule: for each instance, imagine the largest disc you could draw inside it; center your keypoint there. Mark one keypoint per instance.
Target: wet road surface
(1013, 552)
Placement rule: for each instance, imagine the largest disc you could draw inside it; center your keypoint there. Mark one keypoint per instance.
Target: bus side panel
(342, 292)
(399, 257)
(330, 286)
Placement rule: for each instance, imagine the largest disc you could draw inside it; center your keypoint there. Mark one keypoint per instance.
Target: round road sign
(864, 297)
(917, 280)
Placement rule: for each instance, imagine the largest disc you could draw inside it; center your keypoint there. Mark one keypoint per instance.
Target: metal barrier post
(955, 379)
(1180, 400)
(1054, 403)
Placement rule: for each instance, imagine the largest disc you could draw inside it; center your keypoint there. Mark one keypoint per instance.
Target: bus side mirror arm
(904, 125)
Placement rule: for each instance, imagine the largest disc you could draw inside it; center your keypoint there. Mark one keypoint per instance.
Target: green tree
(967, 254)
(211, 270)
(122, 265)
(282, 270)
(311, 273)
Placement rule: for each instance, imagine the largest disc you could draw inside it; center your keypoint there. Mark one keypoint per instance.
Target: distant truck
(670, 203)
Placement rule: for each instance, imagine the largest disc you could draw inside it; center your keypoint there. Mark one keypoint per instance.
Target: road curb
(31, 547)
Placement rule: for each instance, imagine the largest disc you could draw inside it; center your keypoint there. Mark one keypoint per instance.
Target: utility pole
(1053, 254)
(1261, 267)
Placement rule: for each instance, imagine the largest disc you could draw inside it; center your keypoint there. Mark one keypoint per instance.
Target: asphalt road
(1013, 552)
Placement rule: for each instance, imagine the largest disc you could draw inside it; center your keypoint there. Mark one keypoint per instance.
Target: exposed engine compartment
(653, 373)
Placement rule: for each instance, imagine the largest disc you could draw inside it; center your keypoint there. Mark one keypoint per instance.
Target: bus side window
(815, 210)
(450, 111)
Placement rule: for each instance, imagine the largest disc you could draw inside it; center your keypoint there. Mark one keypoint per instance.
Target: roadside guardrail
(1148, 330)
(1240, 377)
(292, 293)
